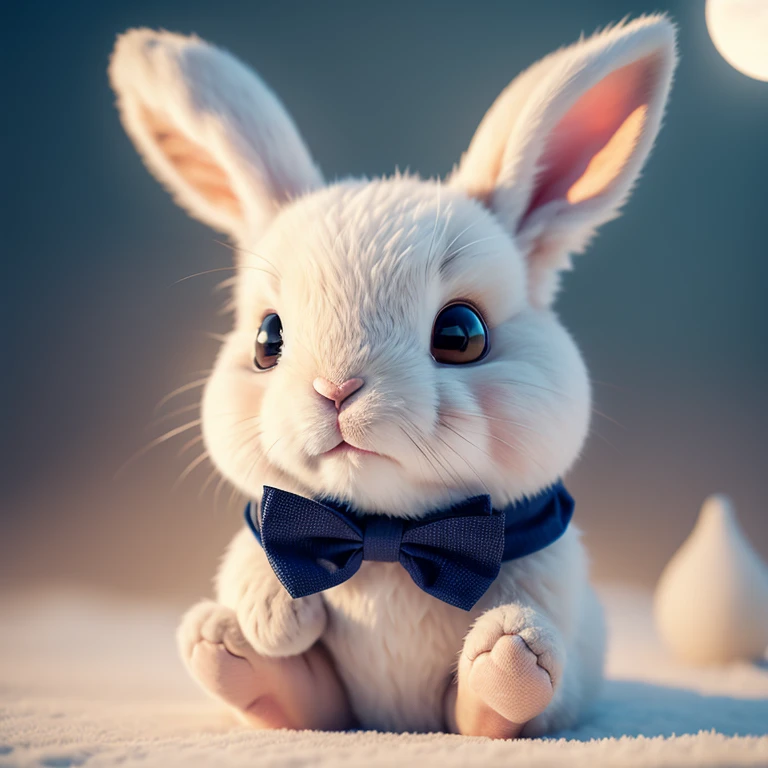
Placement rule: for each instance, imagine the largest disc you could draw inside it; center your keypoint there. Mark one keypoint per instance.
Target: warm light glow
(606, 165)
(739, 30)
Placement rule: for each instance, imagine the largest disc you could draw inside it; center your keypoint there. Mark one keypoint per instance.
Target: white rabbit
(347, 400)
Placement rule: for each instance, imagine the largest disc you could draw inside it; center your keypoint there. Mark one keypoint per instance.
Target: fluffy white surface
(89, 681)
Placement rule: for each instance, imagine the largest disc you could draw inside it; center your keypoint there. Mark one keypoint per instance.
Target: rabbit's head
(394, 342)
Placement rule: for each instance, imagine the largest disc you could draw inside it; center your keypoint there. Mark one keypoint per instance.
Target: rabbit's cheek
(512, 436)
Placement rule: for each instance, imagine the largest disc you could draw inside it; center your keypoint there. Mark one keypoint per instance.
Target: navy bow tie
(453, 554)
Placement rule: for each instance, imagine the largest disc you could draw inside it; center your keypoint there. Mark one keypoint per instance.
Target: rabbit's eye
(460, 335)
(269, 342)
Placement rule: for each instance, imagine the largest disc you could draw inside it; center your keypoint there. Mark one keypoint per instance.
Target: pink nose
(336, 392)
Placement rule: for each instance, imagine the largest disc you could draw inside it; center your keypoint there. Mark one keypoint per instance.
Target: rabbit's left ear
(209, 129)
(558, 152)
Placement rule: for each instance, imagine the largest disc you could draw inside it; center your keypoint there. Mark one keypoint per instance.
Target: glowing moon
(739, 30)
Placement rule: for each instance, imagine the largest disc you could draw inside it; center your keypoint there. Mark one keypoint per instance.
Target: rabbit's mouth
(346, 447)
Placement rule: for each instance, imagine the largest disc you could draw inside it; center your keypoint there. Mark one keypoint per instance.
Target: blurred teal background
(668, 305)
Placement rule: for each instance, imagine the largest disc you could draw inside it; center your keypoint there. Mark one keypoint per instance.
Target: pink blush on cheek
(504, 436)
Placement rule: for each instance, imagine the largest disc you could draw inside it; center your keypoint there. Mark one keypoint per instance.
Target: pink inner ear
(193, 163)
(590, 145)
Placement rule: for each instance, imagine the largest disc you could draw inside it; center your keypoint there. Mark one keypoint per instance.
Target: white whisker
(189, 444)
(177, 412)
(180, 391)
(157, 441)
(190, 468)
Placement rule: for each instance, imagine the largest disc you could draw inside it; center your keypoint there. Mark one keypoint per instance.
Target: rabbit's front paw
(276, 624)
(512, 659)
(212, 623)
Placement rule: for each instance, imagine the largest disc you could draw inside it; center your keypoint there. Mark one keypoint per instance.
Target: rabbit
(335, 382)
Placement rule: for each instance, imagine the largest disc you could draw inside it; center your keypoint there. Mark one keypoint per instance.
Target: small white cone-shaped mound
(711, 602)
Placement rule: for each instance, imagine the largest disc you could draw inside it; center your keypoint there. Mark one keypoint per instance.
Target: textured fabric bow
(453, 555)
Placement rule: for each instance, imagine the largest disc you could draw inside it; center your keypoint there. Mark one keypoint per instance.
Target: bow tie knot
(453, 554)
(382, 537)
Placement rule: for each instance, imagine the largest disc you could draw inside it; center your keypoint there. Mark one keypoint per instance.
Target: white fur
(357, 272)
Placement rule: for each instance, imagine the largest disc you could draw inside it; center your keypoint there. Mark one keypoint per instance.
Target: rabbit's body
(395, 347)
(396, 648)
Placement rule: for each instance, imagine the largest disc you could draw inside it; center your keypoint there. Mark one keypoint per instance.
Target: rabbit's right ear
(209, 129)
(559, 151)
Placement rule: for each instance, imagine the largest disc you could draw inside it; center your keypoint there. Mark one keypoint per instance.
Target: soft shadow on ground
(628, 708)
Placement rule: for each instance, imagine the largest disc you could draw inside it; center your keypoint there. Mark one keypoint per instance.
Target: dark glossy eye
(269, 342)
(459, 335)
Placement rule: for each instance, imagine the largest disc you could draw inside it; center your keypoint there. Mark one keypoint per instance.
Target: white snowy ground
(87, 681)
